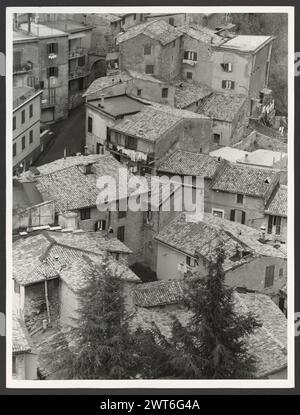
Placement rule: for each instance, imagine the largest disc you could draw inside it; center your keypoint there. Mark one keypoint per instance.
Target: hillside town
(153, 97)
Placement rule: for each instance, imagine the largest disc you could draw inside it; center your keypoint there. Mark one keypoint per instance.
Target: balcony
(77, 53)
(189, 62)
(78, 73)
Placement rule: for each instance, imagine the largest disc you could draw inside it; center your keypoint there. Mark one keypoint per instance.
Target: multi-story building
(26, 127)
(152, 48)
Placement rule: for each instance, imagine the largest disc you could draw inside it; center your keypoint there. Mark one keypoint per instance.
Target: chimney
(262, 233)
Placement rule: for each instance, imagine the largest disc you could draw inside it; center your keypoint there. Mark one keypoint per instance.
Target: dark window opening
(90, 124)
(52, 71)
(269, 276)
(149, 69)
(171, 21)
(131, 143)
(52, 48)
(121, 233)
(23, 116)
(14, 150)
(85, 214)
(164, 93)
(23, 142)
(240, 199)
(147, 49)
(189, 75)
(30, 111)
(14, 123)
(217, 138)
(30, 136)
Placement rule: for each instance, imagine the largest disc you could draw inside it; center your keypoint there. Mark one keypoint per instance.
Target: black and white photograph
(150, 197)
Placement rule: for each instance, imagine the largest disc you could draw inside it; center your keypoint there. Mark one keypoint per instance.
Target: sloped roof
(158, 293)
(21, 340)
(190, 164)
(203, 237)
(188, 92)
(278, 203)
(222, 105)
(149, 124)
(247, 180)
(155, 29)
(203, 34)
(268, 343)
(107, 81)
(42, 256)
(247, 43)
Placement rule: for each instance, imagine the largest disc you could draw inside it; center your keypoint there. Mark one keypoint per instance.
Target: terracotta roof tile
(278, 203)
(222, 106)
(21, 340)
(190, 164)
(158, 293)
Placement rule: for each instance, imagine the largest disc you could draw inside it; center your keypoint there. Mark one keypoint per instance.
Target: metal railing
(78, 73)
(77, 52)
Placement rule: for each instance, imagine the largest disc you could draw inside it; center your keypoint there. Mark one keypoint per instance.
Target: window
(174, 44)
(280, 274)
(52, 96)
(164, 93)
(274, 222)
(191, 56)
(23, 116)
(240, 199)
(227, 67)
(14, 123)
(30, 136)
(189, 75)
(139, 92)
(30, 110)
(131, 143)
(237, 215)
(217, 138)
(121, 233)
(134, 17)
(228, 84)
(41, 84)
(52, 71)
(191, 262)
(149, 69)
(23, 142)
(269, 276)
(17, 59)
(219, 213)
(85, 214)
(171, 21)
(100, 225)
(52, 48)
(14, 150)
(118, 138)
(81, 61)
(147, 49)
(90, 124)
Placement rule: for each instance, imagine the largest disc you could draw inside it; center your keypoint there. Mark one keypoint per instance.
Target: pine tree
(213, 344)
(104, 345)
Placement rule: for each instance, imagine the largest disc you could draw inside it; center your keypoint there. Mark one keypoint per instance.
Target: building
(24, 357)
(26, 126)
(49, 269)
(152, 48)
(72, 184)
(144, 138)
(229, 114)
(240, 193)
(102, 114)
(162, 301)
(276, 214)
(184, 163)
(187, 244)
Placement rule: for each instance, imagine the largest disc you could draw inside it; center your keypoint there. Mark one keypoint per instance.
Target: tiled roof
(204, 34)
(43, 256)
(158, 293)
(222, 106)
(157, 29)
(70, 187)
(268, 343)
(265, 130)
(251, 181)
(180, 113)
(278, 203)
(190, 164)
(202, 238)
(106, 81)
(145, 77)
(21, 341)
(188, 92)
(149, 123)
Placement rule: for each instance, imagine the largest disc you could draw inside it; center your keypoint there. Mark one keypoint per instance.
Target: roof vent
(268, 180)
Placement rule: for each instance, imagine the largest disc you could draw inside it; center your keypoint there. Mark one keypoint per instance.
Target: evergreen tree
(213, 344)
(104, 346)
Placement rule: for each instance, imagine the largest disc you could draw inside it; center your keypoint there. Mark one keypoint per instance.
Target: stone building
(151, 48)
(276, 214)
(186, 245)
(26, 145)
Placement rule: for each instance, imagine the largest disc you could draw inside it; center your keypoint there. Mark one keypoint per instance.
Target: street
(69, 134)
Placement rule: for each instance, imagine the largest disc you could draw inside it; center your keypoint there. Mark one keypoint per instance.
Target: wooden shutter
(186, 55)
(232, 85)
(232, 215)
(270, 224)
(195, 56)
(223, 84)
(243, 217)
(278, 225)
(269, 276)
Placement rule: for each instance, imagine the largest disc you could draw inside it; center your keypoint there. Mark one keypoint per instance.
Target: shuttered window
(52, 48)
(121, 233)
(269, 276)
(52, 71)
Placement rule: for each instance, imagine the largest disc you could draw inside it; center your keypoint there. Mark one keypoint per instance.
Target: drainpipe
(47, 302)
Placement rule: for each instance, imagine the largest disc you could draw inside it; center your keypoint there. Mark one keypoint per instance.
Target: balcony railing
(78, 73)
(23, 68)
(77, 53)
